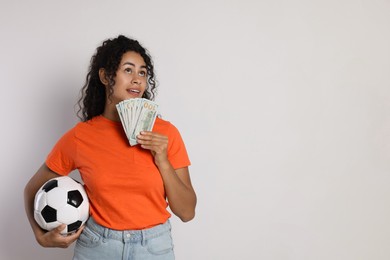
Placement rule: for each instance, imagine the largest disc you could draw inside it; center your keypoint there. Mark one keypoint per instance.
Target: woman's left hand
(156, 143)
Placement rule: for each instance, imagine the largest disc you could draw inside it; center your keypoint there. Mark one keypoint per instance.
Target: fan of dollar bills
(136, 115)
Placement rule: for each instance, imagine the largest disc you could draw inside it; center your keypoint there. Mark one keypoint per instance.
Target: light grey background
(284, 107)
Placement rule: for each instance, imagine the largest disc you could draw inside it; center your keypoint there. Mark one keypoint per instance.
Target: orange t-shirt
(124, 186)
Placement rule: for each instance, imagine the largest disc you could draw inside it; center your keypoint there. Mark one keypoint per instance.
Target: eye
(142, 73)
(128, 70)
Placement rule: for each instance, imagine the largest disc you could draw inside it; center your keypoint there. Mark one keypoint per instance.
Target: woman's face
(130, 79)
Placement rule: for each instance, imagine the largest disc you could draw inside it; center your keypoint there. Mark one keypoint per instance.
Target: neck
(111, 114)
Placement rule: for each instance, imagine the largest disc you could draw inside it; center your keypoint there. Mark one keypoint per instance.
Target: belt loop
(143, 239)
(169, 225)
(105, 234)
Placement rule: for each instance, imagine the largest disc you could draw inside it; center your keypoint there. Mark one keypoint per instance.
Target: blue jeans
(97, 242)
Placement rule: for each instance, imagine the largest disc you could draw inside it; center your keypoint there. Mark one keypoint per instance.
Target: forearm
(181, 196)
(177, 183)
(29, 195)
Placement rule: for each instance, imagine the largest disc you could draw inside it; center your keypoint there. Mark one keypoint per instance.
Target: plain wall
(283, 105)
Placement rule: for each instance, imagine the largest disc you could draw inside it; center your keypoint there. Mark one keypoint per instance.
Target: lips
(133, 91)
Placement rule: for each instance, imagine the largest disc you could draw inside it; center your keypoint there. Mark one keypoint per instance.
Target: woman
(128, 186)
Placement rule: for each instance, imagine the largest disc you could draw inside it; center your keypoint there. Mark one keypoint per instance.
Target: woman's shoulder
(81, 125)
(85, 126)
(165, 127)
(162, 125)
(160, 121)
(96, 121)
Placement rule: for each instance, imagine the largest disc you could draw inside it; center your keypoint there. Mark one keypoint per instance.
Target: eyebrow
(132, 64)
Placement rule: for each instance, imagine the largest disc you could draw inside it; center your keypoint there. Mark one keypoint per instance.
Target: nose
(136, 80)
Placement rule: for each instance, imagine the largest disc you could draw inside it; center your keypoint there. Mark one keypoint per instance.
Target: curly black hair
(108, 57)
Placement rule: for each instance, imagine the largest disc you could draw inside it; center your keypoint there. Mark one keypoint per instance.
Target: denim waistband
(129, 235)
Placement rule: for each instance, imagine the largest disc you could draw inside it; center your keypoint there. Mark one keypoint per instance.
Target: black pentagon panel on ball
(49, 214)
(75, 198)
(50, 185)
(74, 226)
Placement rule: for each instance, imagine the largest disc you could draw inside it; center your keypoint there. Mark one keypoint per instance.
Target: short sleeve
(61, 159)
(177, 152)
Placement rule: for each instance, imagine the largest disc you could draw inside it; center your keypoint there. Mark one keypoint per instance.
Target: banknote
(136, 115)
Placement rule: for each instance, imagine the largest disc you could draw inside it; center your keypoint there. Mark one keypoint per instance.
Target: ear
(102, 76)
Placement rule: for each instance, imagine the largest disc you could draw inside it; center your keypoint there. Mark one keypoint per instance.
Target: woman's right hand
(54, 238)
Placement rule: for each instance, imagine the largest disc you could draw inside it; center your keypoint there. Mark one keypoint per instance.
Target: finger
(152, 136)
(147, 134)
(149, 137)
(79, 231)
(57, 239)
(154, 142)
(66, 241)
(144, 137)
(153, 145)
(147, 147)
(153, 139)
(74, 236)
(59, 228)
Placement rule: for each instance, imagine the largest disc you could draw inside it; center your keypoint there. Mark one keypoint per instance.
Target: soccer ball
(61, 200)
